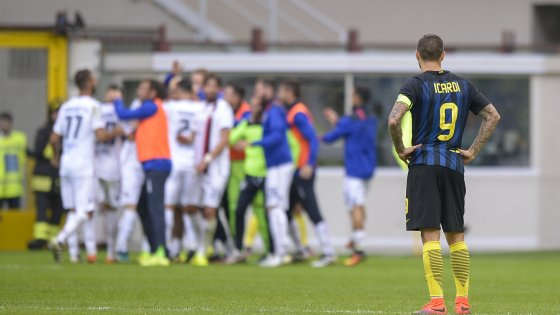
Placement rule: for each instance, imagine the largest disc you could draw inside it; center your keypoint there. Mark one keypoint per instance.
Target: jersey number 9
(446, 124)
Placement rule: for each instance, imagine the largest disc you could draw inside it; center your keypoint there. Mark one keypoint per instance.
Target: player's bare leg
(207, 227)
(90, 239)
(201, 227)
(189, 231)
(110, 215)
(460, 264)
(73, 222)
(433, 269)
(173, 243)
(358, 218)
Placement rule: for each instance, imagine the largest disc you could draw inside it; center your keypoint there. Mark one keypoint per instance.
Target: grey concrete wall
(544, 89)
(398, 21)
(25, 97)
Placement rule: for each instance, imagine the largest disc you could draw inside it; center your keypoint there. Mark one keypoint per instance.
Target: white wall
(501, 212)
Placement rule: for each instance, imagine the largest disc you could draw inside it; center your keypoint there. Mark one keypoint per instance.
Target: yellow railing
(57, 51)
(16, 226)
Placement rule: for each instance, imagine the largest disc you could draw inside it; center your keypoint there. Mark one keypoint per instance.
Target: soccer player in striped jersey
(439, 102)
(213, 164)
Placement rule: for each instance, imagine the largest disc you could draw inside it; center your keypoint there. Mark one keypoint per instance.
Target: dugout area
(37, 59)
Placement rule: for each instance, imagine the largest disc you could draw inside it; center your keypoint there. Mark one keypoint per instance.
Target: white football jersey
(220, 116)
(182, 119)
(77, 121)
(128, 155)
(107, 154)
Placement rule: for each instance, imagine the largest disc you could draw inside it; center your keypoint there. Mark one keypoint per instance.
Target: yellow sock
(433, 268)
(302, 227)
(41, 231)
(461, 265)
(252, 229)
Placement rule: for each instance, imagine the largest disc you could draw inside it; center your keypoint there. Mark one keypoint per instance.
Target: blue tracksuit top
(359, 133)
(274, 140)
(147, 109)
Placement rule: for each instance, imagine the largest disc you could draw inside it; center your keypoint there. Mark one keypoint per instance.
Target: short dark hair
(430, 47)
(212, 76)
(237, 90)
(364, 93)
(6, 116)
(293, 86)
(157, 86)
(185, 85)
(114, 87)
(81, 78)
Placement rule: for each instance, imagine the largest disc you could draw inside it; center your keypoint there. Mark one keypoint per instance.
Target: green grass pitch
(30, 283)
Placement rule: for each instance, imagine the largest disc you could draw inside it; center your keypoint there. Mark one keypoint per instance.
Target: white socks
(126, 225)
(73, 222)
(89, 237)
(145, 245)
(211, 225)
(358, 237)
(189, 235)
(111, 218)
(293, 229)
(73, 246)
(201, 223)
(168, 225)
(279, 230)
(324, 238)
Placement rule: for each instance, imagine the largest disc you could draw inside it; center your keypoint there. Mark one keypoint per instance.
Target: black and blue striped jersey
(439, 102)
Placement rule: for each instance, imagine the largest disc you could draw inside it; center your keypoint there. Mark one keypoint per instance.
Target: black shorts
(435, 196)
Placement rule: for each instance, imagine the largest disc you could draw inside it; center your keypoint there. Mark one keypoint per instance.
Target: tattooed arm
(394, 122)
(490, 119)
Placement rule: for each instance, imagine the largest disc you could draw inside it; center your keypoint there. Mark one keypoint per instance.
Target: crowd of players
(190, 156)
(183, 159)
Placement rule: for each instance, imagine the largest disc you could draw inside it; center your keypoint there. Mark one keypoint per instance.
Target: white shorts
(355, 190)
(181, 188)
(132, 179)
(209, 188)
(277, 185)
(108, 192)
(78, 193)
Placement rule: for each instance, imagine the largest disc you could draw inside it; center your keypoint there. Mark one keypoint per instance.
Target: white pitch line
(281, 310)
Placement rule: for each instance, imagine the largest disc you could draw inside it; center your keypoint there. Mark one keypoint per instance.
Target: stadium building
(511, 55)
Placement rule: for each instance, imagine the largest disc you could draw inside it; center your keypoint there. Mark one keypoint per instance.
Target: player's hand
(185, 139)
(306, 171)
(330, 115)
(468, 156)
(118, 132)
(55, 163)
(407, 152)
(241, 145)
(201, 167)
